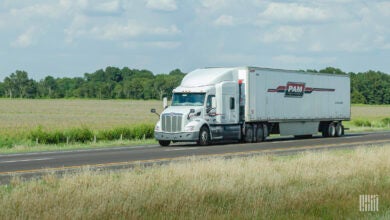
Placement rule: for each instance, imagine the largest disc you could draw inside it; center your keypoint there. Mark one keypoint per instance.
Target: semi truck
(250, 103)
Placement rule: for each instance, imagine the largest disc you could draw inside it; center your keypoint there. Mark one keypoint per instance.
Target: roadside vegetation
(369, 118)
(322, 185)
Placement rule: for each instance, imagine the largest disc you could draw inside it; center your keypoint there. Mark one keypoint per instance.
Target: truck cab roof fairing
(208, 76)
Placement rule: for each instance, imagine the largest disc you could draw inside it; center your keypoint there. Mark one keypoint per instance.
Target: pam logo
(294, 89)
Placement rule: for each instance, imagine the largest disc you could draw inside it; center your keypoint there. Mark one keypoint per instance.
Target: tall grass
(323, 185)
(84, 134)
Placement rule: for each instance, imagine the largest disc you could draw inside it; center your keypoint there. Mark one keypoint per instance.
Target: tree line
(371, 87)
(110, 83)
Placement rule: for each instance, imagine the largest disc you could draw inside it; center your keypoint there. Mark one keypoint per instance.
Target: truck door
(210, 115)
(228, 106)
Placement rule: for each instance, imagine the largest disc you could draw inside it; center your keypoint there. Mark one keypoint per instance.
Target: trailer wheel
(265, 127)
(331, 130)
(248, 134)
(204, 136)
(259, 133)
(164, 143)
(339, 130)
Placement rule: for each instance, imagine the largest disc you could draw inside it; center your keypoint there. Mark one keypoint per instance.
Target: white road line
(178, 149)
(278, 142)
(78, 150)
(27, 160)
(349, 137)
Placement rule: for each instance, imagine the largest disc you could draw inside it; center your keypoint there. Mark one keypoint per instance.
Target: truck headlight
(156, 128)
(189, 128)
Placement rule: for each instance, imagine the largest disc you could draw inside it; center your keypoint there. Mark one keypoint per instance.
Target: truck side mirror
(153, 110)
(213, 102)
(192, 111)
(165, 102)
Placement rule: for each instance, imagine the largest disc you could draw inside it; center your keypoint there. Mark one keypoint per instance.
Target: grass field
(21, 117)
(370, 112)
(18, 115)
(322, 185)
(369, 117)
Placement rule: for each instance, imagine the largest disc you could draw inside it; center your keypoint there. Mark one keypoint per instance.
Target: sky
(67, 38)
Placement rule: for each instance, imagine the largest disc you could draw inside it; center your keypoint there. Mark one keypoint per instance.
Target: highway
(33, 164)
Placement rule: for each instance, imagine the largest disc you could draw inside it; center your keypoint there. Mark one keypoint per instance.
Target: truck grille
(171, 122)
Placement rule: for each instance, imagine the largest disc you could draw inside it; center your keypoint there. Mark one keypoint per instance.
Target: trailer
(250, 103)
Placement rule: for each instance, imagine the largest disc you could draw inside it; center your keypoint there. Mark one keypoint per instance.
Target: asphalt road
(31, 164)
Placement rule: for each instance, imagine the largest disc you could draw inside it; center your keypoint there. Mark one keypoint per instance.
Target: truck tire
(164, 143)
(265, 128)
(259, 133)
(331, 130)
(204, 136)
(248, 138)
(339, 130)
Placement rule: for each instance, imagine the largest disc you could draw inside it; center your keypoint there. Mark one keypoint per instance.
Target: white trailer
(250, 103)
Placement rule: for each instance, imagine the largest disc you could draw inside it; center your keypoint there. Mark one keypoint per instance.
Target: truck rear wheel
(259, 133)
(248, 138)
(339, 130)
(164, 143)
(331, 130)
(204, 136)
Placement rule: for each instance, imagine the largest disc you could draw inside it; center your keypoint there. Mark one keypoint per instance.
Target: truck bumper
(182, 136)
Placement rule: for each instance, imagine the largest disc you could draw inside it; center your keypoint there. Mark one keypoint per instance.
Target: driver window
(208, 103)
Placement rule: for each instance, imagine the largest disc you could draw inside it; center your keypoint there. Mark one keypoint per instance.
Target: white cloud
(288, 12)
(25, 39)
(107, 7)
(163, 5)
(129, 30)
(76, 28)
(44, 10)
(383, 8)
(283, 34)
(224, 20)
(74, 4)
(213, 4)
(171, 30)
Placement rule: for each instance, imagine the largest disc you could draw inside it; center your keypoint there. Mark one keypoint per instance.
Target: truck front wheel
(164, 143)
(204, 136)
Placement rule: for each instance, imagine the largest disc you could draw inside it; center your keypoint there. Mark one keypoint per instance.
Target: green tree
(332, 70)
(48, 87)
(19, 85)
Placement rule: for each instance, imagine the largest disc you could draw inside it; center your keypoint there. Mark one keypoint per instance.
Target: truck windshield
(188, 99)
